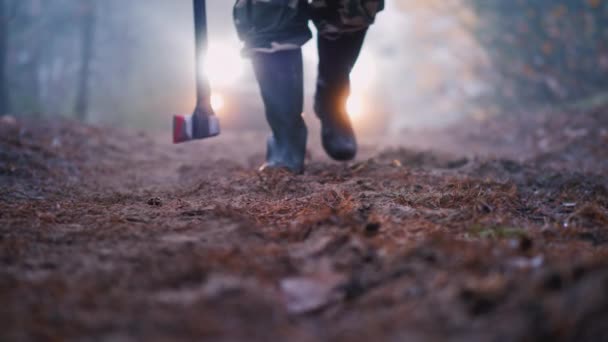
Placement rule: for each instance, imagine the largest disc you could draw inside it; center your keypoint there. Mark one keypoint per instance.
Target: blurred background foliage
(76, 58)
(544, 51)
(130, 62)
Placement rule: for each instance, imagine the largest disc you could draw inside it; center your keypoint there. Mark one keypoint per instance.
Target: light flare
(217, 102)
(223, 65)
(355, 107)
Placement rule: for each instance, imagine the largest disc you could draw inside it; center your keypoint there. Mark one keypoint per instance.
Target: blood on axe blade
(203, 122)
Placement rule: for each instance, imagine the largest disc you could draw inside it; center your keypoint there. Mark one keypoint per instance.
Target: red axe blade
(202, 123)
(194, 127)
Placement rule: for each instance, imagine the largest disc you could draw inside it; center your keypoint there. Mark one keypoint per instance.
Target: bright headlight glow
(223, 64)
(217, 102)
(354, 106)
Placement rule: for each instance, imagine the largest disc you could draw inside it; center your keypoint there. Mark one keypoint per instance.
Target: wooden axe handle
(200, 33)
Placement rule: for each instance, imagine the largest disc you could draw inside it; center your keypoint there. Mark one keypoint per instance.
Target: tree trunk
(4, 101)
(87, 44)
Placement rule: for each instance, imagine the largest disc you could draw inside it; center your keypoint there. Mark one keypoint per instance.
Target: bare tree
(87, 37)
(4, 102)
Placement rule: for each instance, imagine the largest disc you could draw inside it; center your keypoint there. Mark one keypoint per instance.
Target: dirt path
(108, 235)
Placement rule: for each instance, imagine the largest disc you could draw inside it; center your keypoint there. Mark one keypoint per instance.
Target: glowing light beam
(223, 65)
(217, 102)
(355, 107)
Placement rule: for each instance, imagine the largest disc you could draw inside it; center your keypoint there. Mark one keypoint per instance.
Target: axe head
(199, 125)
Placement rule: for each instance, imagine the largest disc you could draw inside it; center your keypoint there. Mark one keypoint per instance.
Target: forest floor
(486, 231)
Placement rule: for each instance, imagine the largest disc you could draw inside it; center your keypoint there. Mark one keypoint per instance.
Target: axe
(203, 122)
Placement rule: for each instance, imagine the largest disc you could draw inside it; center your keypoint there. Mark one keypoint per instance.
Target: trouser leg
(272, 25)
(273, 32)
(342, 26)
(337, 58)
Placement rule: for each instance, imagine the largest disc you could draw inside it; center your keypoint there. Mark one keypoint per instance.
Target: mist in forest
(130, 63)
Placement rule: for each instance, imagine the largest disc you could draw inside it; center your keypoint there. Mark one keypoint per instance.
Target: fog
(424, 63)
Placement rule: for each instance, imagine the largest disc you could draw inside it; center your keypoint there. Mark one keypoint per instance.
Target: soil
(493, 231)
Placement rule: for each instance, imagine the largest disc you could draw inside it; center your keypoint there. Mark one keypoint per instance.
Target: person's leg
(280, 78)
(342, 28)
(273, 32)
(337, 58)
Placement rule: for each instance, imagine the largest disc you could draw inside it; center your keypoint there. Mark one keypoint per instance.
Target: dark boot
(336, 60)
(281, 82)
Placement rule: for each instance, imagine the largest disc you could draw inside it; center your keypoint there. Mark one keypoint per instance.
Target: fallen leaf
(311, 293)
